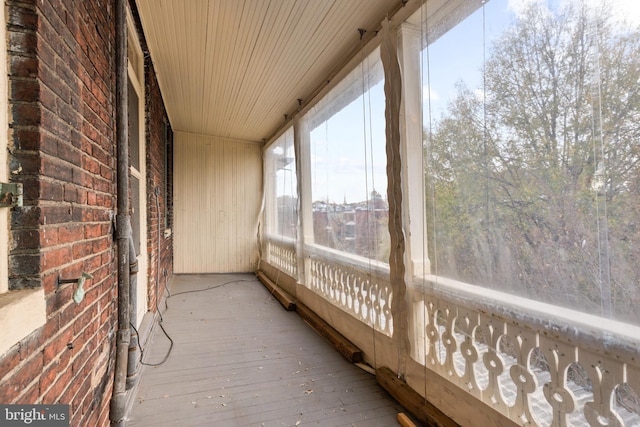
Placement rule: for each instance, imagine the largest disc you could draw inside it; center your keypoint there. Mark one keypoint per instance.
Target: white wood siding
(217, 188)
(234, 68)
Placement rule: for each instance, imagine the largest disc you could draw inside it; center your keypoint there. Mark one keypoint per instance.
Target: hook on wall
(78, 294)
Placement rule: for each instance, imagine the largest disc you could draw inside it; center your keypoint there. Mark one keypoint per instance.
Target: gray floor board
(239, 359)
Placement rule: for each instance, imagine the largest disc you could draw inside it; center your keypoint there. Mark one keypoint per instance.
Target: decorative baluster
(267, 252)
(449, 341)
(522, 375)
(384, 307)
(361, 295)
(292, 259)
(316, 275)
(313, 273)
(322, 278)
(467, 323)
(344, 284)
(326, 280)
(348, 295)
(561, 399)
(330, 278)
(493, 330)
(605, 377)
(335, 285)
(373, 305)
(433, 337)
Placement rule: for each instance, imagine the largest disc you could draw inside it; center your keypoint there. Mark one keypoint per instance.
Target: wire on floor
(161, 319)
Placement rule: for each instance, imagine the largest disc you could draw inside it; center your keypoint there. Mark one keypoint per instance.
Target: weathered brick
(56, 169)
(58, 300)
(25, 90)
(9, 361)
(72, 271)
(22, 17)
(67, 114)
(69, 153)
(52, 191)
(53, 395)
(102, 185)
(57, 346)
(101, 245)
(22, 41)
(62, 112)
(28, 372)
(46, 54)
(50, 374)
(57, 214)
(52, 123)
(28, 264)
(71, 233)
(54, 258)
(50, 284)
(29, 395)
(90, 164)
(25, 239)
(79, 387)
(23, 66)
(25, 216)
(106, 172)
(69, 312)
(26, 114)
(26, 139)
(50, 237)
(92, 198)
(82, 249)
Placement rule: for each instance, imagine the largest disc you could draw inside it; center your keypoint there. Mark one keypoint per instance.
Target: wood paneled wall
(218, 193)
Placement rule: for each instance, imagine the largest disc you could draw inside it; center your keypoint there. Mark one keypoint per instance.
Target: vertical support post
(393, 96)
(413, 183)
(305, 209)
(411, 151)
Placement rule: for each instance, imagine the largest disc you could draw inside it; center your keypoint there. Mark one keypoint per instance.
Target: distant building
(359, 228)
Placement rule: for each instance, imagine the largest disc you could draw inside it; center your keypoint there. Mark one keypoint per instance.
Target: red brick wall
(62, 148)
(159, 149)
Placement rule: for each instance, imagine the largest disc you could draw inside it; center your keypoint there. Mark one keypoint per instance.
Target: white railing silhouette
(281, 253)
(537, 364)
(354, 284)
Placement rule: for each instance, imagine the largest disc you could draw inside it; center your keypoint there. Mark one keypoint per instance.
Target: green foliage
(535, 187)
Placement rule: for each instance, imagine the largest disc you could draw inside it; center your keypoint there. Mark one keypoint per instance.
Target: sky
(461, 49)
(348, 152)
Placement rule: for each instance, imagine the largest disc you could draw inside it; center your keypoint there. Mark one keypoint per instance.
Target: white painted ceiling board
(233, 68)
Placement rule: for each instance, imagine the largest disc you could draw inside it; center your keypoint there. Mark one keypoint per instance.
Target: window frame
(23, 311)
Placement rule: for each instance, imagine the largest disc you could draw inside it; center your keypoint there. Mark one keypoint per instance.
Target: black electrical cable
(211, 287)
(161, 319)
(166, 356)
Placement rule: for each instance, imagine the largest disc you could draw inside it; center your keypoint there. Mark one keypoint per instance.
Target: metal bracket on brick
(10, 195)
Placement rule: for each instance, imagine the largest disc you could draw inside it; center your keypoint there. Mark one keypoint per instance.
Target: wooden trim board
(287, 301)
(417, 405)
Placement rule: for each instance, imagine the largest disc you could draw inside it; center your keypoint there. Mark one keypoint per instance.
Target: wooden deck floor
(240, 359)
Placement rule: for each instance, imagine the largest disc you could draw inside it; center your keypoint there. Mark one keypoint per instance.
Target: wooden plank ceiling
(234, 68)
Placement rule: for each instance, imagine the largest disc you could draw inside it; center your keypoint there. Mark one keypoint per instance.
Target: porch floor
(240, 359)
